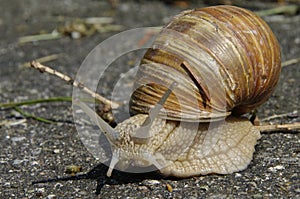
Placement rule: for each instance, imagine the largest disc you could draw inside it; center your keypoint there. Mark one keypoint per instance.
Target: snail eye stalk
(142, 134)
(108, 131)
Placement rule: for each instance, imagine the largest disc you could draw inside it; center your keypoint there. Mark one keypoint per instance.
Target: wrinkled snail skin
(225, 61)
(189, 149)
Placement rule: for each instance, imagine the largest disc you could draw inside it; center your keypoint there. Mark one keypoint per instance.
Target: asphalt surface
(32, 150)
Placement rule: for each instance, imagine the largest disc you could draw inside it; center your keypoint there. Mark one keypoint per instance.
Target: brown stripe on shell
(271, 50)
(162, 57)
(181, 26)
(236, 65)
(148, 95)
(262, 62)
(195, 47)
(251, 44)
(206, 38)
(213, 42)
(228, 50)
(183, 48)
(240, 69)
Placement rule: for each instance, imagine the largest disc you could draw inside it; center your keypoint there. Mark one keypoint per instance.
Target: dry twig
(114, 105)
(290, 62)
(279, 127)
(43, 68)
(286, 9)
(292, 114)
(44, 59)
(40, 37)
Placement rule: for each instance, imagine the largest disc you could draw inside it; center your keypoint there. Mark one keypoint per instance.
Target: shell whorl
(224, 58)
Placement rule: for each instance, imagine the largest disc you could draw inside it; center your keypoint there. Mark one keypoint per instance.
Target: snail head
(130, 140)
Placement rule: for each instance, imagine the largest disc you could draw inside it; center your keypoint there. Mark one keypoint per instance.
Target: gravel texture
(32, 150)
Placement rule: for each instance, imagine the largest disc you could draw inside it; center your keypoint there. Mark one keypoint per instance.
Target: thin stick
(40, 37)
(292, 114)
(12, 122)
(28, 115)
(43, 68)
(279, 127)
(44, 59)
(286, 9)
(290, 62)
(36, 101)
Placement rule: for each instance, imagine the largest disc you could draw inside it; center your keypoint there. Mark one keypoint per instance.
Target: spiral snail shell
(205, 65)
(218, 52)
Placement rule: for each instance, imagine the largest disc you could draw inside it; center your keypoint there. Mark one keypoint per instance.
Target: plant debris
(76, 29)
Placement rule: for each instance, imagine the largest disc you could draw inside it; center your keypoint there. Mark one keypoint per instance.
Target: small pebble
(56, 151)
(40, 192)
(51, 196)
(58, 185)
(36, 151)
(257, 196)
(169, 187)
(18, 139)
(152, 182)
(73, 169)
(276, 168)
(3, 162)
(33, 163)
(30, 191)
(83, 193)
(17, 162)
(204, 187)
(143, 188)
(75, 35)
(6, 184)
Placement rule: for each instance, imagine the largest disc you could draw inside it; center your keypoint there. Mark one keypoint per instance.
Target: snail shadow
(119, 177)
(98, 173)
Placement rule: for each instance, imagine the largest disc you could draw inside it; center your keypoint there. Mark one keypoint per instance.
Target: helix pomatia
(205, 65)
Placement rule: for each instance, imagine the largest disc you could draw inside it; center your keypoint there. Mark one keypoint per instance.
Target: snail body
(206, 65)
(188, 149)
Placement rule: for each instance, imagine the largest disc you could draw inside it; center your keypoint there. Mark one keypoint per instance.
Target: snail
(205, 65)
(206, 68)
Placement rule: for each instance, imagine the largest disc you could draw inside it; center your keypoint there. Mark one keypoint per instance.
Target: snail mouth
(141, 162)
(141, 136)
